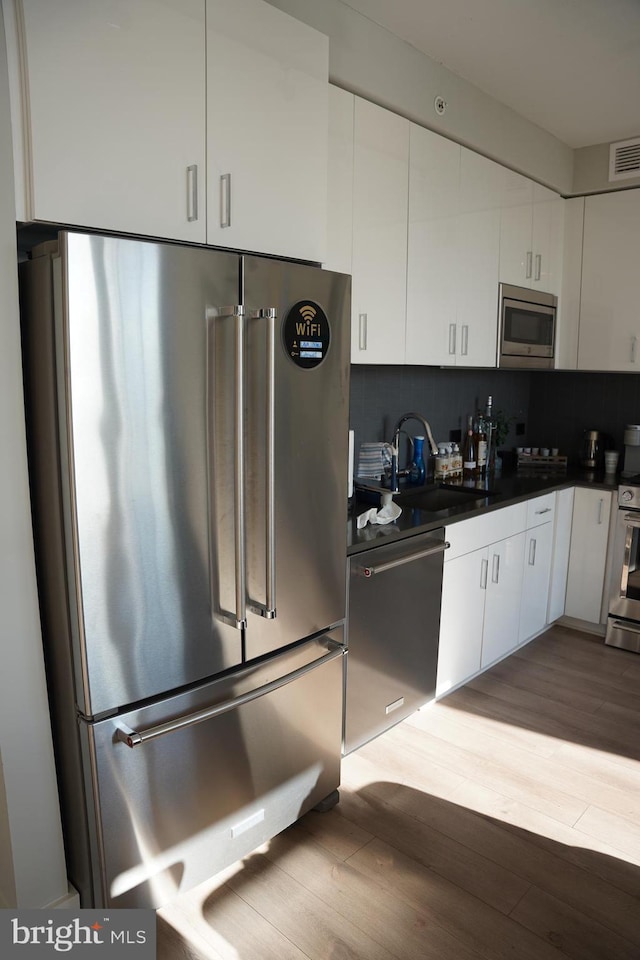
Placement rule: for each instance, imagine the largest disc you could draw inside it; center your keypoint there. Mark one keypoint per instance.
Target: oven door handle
(625, 625)
(632, 520)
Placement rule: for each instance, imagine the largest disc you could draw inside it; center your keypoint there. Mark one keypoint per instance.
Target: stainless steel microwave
(527, 328)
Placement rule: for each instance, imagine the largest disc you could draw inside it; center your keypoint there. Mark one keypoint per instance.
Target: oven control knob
(627, 495)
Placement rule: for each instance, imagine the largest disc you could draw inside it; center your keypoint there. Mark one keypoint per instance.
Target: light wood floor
(501, 823)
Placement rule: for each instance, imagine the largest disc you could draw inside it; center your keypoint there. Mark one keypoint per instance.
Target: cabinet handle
(600, 507)
(532, 553)
(495, 571)
(192, 192)
(484, 569)
(538, 266)
(225, 200)
(545, 510)
(362, 331)
(464, 345)
(634, 349)
(529, 264)
(452, 339)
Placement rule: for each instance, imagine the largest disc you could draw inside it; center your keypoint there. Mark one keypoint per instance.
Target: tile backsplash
(555, 406)
(380, 395)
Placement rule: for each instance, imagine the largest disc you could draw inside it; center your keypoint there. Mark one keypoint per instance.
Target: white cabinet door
(340, 181)
(538, 549)
(267, 130)
(516, 254)
(610, 293)
(588, 554)
(560, 559)
(477, 311)
(461, 619)
(502, 608)
(116, 114)
(478, 260)
(547, 244)
(432, 268)
(531, 235)
(380, 196)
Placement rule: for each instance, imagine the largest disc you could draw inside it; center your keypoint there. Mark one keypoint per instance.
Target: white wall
(371, 62)
(591, 171)
(32, 869)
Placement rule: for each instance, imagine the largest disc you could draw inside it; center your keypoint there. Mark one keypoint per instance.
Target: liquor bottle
(489, 428)
(481, 445)
(469, 454)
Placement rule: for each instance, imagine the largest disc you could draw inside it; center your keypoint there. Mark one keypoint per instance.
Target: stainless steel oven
(623, 622)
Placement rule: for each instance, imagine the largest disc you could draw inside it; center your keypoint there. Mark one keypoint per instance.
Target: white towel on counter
(387, 514)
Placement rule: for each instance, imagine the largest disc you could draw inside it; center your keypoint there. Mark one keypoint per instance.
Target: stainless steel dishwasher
(393, 628)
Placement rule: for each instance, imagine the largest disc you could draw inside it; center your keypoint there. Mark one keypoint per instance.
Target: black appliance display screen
(526, 327)
(306, 334)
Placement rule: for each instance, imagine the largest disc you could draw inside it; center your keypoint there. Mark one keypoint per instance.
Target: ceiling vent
(624, 159)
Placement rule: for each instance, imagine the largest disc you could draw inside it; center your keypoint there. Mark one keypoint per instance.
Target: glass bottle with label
(489, 427)
(481, 445)
(469, 453)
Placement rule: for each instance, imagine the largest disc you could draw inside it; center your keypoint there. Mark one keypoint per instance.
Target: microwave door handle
(238, 618)
(268, 609)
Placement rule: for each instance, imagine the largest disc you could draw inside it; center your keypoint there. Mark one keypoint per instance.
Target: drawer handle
(383, 567)
(546, 510)
(134, 738)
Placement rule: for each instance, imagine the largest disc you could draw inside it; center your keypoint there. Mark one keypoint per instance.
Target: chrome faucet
(395, 472)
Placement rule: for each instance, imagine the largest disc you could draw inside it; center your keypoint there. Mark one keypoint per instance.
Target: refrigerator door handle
(268, 609)
(239, 618)
(134, 738)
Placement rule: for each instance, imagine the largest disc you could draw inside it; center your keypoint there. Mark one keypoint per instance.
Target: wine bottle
(481, 445)
(490, 430)
(469, 454)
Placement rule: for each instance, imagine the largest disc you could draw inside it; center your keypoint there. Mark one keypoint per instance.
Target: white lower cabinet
(479, 620)
(461, 620)
(560, 559)
(538, 550)
(499, 594)
(588, 554)
(502, 605)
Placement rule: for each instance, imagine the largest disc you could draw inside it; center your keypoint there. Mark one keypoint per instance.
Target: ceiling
(570, 66)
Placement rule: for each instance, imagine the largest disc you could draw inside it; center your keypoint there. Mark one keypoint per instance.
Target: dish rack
(528, 460)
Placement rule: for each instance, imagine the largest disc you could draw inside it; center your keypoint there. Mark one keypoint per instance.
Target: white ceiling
(570, 66)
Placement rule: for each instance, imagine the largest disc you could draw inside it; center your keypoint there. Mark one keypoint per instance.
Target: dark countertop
(506, 489)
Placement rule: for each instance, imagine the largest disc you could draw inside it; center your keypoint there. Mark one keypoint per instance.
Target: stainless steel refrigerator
(187, 414)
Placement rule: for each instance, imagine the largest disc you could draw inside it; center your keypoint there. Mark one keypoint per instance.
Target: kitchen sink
(435, 498)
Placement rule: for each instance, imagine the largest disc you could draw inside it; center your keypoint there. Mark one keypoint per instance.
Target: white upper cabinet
(432, 268)
(453, 254)
(114, 115)
(267, 129)
(340, 181)
(380, 187)
(531, 234)
(609, 337)
(478, 261)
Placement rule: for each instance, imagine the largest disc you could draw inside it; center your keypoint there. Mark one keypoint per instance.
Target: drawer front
(488, 528)
(541, 510)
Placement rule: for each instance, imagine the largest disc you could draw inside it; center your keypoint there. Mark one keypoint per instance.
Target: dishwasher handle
(134, 738)
(439, 547)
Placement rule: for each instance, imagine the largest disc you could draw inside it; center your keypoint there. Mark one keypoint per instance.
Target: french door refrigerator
(187, 413)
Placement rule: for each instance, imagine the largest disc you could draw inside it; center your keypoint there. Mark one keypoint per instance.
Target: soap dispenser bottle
(417, 470)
